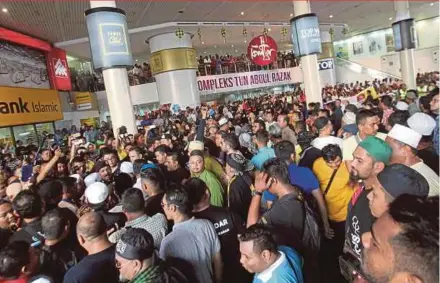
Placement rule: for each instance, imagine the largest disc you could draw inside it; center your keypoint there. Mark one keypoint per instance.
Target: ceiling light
(269, 29)
(236, 50)
(291, 15)
(204, 52)
(331, 16)
(390, 18)
(245, 41)
(232, 45)
(4, 10)
(242, 13)
(432, 4)
(137, 60)
(215, 46)
(203, 42)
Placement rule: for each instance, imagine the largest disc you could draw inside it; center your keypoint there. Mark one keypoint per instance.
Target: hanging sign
(262, 50)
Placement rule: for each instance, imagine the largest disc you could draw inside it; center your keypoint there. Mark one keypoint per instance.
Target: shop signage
(58, 69)
(404, 35)
(248, 80)
(108, 35)
(82, 100)
(262, 50)
(19, 106)
(325, 64)
(306, 36)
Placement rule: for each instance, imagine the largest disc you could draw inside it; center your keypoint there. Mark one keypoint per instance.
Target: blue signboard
(404, 35)
(306, 36)
(108, 36)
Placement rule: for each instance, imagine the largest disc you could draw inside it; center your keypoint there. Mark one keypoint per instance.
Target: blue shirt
(301, 177)
(286, 269)
(262, 156)
(436, 133)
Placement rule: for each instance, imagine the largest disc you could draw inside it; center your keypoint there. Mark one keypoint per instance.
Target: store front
(27, 114)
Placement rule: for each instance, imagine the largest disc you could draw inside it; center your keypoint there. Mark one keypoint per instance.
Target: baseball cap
(377, 148)
(411, 94)
(96, 193)
(422, 123)
(350, 128)
(399, 179)
(222, 121)
(406, 135)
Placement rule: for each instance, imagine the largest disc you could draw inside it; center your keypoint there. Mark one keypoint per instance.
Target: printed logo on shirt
(355, 237)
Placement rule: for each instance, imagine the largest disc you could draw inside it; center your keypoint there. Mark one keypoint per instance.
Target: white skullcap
(349, 118)
(126, 167)
(92, 178)
(222, 121)
(196, 145)
(422, 123)
(96, 193)
(406, 135)
(402, 105)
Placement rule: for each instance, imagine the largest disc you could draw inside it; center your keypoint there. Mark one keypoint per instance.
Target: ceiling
(61, 21)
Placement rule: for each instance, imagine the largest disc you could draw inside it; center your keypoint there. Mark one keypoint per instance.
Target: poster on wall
(22, 67)
(341, 50)
(389, 39)
(358, 48)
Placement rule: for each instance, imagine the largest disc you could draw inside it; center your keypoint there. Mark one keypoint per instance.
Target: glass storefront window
(25, 135)
(5, 137)
(46, 128)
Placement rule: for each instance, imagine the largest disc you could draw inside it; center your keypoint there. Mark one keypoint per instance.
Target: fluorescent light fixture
(4, 10)
(331, 16)
(242, 13)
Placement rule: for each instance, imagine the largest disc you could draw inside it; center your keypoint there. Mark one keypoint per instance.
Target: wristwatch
(256, 193)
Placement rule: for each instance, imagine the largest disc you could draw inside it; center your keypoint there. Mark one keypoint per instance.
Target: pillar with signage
(404, 42)
(173, 64)
(326, 62)
(306, 39)
(111, 52)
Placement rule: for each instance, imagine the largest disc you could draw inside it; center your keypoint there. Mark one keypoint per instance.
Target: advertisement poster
(358, 48)
(341, 50)
(22, 67)
(59, 69)
(389, 39)
(306, 35)
(262, 50)
(83, 100)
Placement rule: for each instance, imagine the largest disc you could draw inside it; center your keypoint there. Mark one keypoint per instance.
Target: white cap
(222, 121)
(96, 193)
(349, 118)
(76, 176)
(92, 178)
(406, 135)
(402, 105)
(126, 167)
(196, 145)
(422, 123)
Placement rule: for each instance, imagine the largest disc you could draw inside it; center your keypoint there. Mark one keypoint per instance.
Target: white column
(117, 90)
(309, 63)
(180, 86)
(406, 56)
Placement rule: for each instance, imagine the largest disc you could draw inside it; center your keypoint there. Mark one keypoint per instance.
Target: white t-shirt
(321, 142)
(430, 176)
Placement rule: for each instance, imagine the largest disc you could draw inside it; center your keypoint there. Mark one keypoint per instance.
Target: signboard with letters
(325, 64)
(248, 80)
(306, 36)
(58, 69)
(262, 50)
(82, 100)
(19, 106)
(108, 35)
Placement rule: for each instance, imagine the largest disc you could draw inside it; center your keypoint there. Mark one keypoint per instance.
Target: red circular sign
(262, 50)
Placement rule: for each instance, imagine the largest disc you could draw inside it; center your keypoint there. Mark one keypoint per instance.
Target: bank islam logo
(60, 68)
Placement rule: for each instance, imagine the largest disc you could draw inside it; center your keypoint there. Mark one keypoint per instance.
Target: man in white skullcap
(424, 124)
(404, 142)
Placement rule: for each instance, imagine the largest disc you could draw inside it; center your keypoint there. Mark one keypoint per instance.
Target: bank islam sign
(248, 80)
(19, 106)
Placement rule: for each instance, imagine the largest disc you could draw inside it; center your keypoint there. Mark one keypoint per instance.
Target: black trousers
(331, 249)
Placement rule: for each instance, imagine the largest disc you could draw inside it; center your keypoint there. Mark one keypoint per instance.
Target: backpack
(54, 265)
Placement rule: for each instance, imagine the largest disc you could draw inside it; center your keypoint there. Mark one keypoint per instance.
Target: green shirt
(214, 186)
(148, 275)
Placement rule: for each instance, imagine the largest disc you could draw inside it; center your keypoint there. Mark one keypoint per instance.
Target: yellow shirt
(340, 192)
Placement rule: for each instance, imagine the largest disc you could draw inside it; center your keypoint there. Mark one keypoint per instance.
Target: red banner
(262, 50)
(58, 69)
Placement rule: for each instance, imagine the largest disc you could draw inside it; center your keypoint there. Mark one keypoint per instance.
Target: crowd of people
(269, 189)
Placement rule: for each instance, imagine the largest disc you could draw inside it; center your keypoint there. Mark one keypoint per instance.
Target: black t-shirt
(309, 156)
(5, 234)
(178, 175)
(227, 225)
(98, 267)
(31, 233)
(430, 158)
(359, 221)
(239, 196)
(153, 204)
(111, 219)
(286, 218)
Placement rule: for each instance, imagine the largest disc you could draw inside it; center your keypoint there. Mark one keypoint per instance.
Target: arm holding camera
(47, 167)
